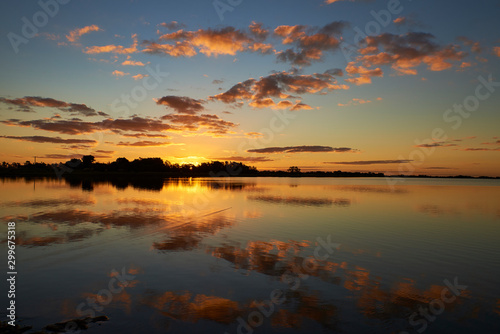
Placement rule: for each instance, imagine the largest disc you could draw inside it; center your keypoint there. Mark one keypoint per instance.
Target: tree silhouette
(88, 160)
(293, 170)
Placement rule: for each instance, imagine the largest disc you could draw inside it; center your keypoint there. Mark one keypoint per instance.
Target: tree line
(88, 166)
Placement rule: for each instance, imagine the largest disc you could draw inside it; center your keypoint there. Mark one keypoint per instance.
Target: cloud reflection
(184, 232)
(302, 201)
(372, 189)
(275, 258)
(186, 306)
(22, 239)
(35, 203)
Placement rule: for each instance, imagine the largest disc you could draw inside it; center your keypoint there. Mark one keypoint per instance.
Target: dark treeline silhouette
(87, 166)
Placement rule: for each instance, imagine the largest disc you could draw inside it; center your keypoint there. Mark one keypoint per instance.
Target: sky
(409, 86)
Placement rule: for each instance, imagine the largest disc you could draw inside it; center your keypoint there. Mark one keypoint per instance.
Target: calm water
(248, 255)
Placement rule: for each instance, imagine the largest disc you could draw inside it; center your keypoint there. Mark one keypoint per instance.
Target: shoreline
(165, 175)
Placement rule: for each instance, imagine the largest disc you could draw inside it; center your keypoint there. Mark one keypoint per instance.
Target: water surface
(208, 255)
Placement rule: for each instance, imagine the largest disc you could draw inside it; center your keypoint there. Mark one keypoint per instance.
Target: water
(257, 255)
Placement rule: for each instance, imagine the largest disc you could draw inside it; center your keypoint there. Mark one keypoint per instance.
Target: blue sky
(392, 88)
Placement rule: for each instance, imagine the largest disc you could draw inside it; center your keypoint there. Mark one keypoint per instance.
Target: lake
(256, 255)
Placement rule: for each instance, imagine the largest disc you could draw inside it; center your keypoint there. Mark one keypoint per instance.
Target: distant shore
(146, 174)
(86, 167)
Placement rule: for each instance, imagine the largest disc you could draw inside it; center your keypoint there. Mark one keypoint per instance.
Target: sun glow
(194, 160)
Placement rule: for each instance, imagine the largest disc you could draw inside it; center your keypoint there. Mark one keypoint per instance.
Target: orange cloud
(359, 81)
(26, 103)
(492, 143)
(301, 106)
(113, 48)
(182, 104)
(440, 60)
(76, 126)
(480, 149)
(53, 140)
(264, 103)
(290, 33)
(308, 43)
(179, 49)
(240, 91)
(269, 103)
(139, 76)
(142, 143)
(260, 92)
(133, 63)
(260, 47)
(475, 46)
(257, 31)
(436, 144)
(187, 122)
(253, 134)
(368, 162)
(283, 104)
(147, 135)
(118, 74)
(328, 2)
(74, 35)
(400, 20)
(172, 25)
(302, 149)
(245, 159)
(365, 74)
(211, 42)
(496, 51)
(227, 41)
(405, 52)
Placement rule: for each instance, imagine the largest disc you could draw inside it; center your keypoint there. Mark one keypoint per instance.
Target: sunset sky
(354, 85)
